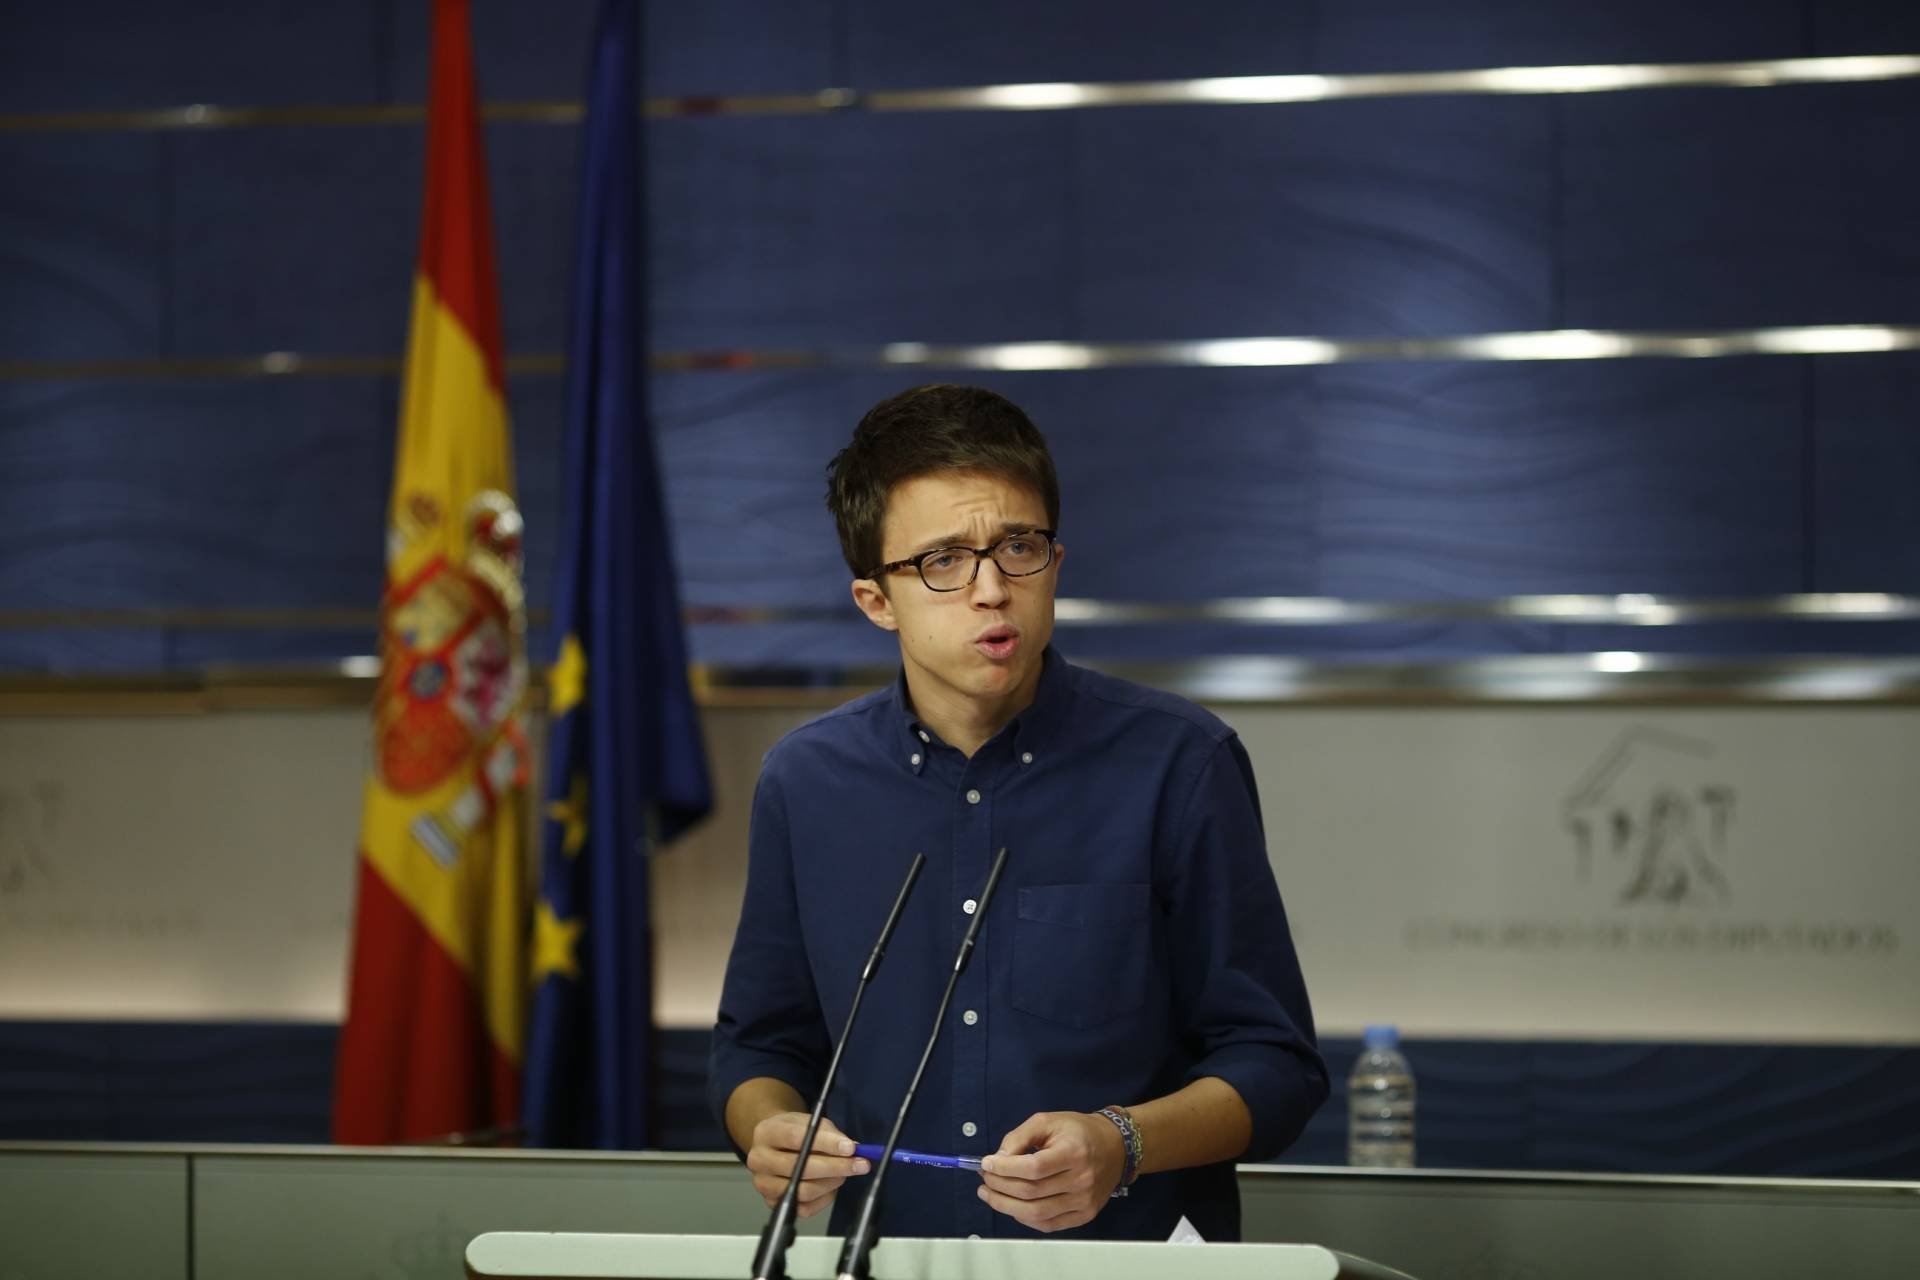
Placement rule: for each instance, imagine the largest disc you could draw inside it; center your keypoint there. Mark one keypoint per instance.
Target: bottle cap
(1382, 1035)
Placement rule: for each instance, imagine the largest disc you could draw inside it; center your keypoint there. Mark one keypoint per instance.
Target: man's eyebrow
(944, 540)
(959, 538)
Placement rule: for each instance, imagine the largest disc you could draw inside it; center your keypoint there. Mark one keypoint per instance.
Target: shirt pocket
(1081, 952)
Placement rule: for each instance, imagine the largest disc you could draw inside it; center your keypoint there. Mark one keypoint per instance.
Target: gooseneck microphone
(770, 1259)
(856, 1253)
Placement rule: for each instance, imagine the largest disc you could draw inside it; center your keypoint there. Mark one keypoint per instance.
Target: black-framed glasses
(1017, 555)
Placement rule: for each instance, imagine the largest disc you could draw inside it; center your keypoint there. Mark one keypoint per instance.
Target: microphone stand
(856, 1253)
(770, 1259)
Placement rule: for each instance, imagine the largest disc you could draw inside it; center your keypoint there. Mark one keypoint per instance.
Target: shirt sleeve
(1235, 972)
(770, 1021)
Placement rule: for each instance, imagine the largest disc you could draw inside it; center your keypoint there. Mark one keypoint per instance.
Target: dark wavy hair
(939, 427)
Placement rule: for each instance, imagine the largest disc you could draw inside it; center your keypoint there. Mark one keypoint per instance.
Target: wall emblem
(1652, 818)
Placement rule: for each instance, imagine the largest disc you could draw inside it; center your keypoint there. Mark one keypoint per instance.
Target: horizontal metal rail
(1061, 357)
(1536, 679)
(1048, 96)
(1075, 611)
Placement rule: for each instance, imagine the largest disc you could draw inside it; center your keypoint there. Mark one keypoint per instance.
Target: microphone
(770, 1259)
(855, 1254)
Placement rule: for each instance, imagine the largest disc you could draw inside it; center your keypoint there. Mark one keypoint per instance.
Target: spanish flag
(437, 993)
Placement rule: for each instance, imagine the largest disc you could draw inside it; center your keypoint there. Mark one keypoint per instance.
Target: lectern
(534, 1255)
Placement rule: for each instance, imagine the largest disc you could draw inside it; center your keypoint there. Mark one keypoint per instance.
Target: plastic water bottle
(1380, 1104)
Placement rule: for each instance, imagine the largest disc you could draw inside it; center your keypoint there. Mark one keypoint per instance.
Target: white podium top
(532, 1255)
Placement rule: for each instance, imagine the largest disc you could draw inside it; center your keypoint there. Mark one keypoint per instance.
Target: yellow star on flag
(567, 679)
(572, 813)
(553, 943)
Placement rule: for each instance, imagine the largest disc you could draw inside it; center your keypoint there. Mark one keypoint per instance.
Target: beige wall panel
(1589, 872)
(192, 867)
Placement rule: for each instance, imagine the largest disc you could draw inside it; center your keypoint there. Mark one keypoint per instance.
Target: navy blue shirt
(1136, 942)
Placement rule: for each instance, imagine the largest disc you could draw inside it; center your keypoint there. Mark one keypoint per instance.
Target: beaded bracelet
(1131, 1140)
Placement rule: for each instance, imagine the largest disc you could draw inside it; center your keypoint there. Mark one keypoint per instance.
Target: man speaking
(1133, 1019)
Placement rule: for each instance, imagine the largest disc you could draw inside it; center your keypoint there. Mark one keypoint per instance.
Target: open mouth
(1000, 642)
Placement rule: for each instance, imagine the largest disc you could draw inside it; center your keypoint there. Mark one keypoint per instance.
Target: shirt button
(969, 906)
(1026, 757)
(973, 797)
(924, 737)
(973, 1237)
(914, 758)
(968, 1129)
(970, 1017)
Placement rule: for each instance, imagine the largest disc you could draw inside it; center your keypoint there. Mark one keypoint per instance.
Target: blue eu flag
(625, 767)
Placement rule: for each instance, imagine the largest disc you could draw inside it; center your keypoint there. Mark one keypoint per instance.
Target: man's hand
(776, 1141)
(1056, 1170)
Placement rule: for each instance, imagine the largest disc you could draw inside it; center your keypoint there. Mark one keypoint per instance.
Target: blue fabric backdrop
(1402, 216)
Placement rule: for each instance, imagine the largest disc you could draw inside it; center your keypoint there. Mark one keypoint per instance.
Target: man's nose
(989, 585)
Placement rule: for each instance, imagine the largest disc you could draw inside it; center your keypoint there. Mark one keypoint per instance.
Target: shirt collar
(915, 739)
(1037, 726)
(1031, 729)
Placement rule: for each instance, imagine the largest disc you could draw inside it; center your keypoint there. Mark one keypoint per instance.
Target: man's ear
(874, 603)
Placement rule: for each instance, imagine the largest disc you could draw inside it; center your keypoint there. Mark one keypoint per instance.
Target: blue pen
(873, 1151)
